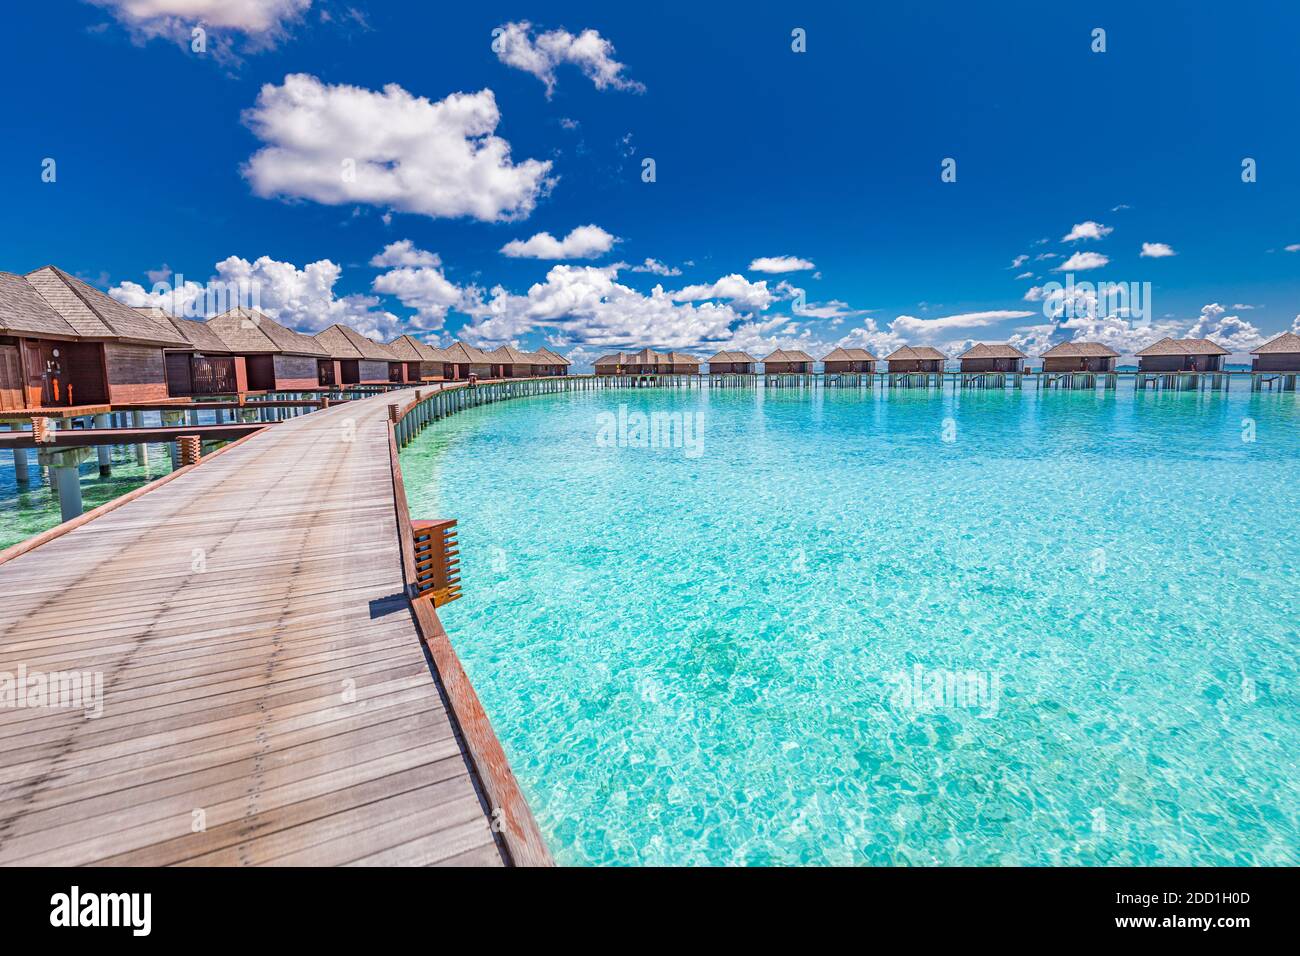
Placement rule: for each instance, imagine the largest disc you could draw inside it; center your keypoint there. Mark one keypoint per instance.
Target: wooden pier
(268, 695)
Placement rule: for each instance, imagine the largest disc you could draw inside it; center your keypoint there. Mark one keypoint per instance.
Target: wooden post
(105, 451)
(190, 449)
(170, 420)
(65, 478)
(437, 570)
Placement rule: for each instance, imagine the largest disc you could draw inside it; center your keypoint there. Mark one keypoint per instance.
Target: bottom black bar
(336, 907)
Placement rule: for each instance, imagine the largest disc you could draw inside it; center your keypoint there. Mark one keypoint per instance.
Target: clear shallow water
(703, 660)
(26, 511)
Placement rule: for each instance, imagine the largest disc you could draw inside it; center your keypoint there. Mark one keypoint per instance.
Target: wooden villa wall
(180, 381)
(916, 365)
(12, 393)
(1099, 364)
(295, 371)
(133, 370)
(136, 373)
(787, 368)
(991, 364)
(1180, 363)
(368, 370)
(849, 366)
(1277, 362)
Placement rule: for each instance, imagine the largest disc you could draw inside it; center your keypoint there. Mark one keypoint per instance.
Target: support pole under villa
(21, 466)
(105, 451)
(174, 420)
(65, 478)
(141, 450)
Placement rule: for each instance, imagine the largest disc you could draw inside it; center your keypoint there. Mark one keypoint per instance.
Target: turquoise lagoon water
(713, 659)
(31, 509)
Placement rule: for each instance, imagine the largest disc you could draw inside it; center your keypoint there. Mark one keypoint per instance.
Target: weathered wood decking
(266, 697)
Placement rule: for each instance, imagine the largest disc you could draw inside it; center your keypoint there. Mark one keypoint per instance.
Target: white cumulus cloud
(780, 264)
(403, 253)
(423, 288)
(301, 298)
(1087, 230)
(906, 325)
(583, 242)
(338, 144)
(516, 46)
(655, 267)
(746, 294)
(1081, 261)
(168, 17)
(586, 305)
(1232, 332)
(1156, 250)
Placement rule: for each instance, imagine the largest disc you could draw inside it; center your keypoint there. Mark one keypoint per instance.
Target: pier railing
(428, 552)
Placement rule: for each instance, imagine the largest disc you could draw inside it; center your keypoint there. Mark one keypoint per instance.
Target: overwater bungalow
(849, 360)
(424, 362)
(647, 362)
(205, 367)
(268, 356)
(551, 363)
(732, 363)
(465, 360)
(1182, 355)
(992, 357)
(680, 363)
(650, 362)
(354, 359)
(916, 359)
(788, 362)
(1080, 357)
(512, 363)
(616, 363)
(1281, 354)
(65, 343)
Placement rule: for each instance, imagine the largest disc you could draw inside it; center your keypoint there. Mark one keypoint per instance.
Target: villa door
(54, 379)
(11, 379)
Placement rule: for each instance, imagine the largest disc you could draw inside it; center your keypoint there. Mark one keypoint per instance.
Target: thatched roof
(916, 353)
(509, 355)
(849, 355)
(1168, 346)
(1080, 350)
(1288, 343)
(992, 350)
(196, 333)
(249, 332)
(733, 357)
(410, 349)
(552, 358)
(48, 301)
(788, 355)
(646, 357)
(345, 342)
(462, 354)
(23, 311)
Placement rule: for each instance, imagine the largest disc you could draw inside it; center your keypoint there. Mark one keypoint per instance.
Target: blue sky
(228, 163)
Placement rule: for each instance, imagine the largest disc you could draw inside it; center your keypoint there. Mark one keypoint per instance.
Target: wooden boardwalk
(266, 695)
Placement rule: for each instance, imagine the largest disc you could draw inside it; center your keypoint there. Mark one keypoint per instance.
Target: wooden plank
(281, 688)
